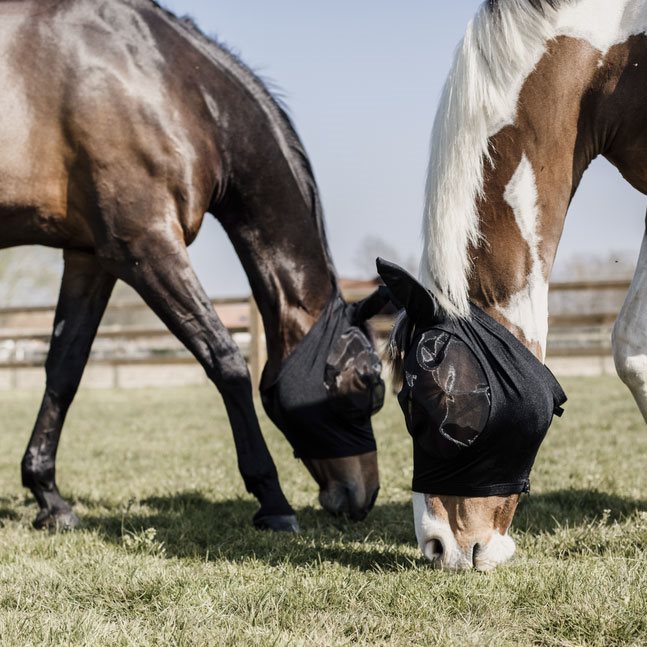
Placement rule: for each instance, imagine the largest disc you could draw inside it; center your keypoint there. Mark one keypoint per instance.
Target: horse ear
(407, 293)
(370, 306)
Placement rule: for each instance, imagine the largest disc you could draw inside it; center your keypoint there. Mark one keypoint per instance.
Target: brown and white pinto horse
(538, 89)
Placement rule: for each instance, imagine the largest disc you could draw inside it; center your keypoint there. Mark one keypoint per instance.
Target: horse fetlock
(56, 520)
(277, 523)
(38, 473)
(269, 494)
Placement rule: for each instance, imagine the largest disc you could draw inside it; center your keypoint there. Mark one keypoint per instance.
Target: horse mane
(502, 44)
(501, 47)
(268, 95)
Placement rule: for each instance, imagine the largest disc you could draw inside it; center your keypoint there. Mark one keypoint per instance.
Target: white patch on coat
(430, 531)
(58, 330)
(500, 50)
(602, 23)
(629, 337)
(528, 308)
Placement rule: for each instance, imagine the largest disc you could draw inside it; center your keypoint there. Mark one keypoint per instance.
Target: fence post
(257, 351)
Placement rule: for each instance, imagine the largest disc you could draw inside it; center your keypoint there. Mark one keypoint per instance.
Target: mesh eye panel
(352, 375)
(450, 391)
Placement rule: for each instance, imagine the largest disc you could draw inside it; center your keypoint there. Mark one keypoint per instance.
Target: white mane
(503, 44)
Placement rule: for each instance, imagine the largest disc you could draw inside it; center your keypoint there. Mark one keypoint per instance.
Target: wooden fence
(133, 348)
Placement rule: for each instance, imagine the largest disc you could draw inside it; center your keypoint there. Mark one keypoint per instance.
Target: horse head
(477, 404)
(323, 399)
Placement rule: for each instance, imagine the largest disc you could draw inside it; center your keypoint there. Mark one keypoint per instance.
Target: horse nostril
(373, 499)
(340, 501)
(475, 549)
(359, 508)
(334, 501)
(434, 550)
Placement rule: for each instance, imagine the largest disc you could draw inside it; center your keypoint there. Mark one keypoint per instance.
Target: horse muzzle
(348, 486)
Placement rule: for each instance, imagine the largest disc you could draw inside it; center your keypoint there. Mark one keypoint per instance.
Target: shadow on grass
(549, 511)
(8, 514)
(191, 526)
(7, 509)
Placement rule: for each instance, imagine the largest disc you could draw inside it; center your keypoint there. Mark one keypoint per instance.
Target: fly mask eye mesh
(450, 389)
(352, 374)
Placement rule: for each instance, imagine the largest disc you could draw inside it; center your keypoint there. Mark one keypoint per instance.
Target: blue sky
(362, 80)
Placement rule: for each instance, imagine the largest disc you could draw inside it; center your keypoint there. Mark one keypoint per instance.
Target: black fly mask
(477, 402)
(330, 385)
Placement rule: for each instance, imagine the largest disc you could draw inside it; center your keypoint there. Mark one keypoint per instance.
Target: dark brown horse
(120, 127)
(539, 88)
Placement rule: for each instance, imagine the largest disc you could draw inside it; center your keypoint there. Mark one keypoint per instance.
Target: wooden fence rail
(132, 337)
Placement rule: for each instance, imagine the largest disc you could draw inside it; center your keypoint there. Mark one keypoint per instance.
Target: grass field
(168, 555)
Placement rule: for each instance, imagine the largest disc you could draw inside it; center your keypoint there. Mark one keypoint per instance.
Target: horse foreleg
(162, 274)
(629, 338)
(84, 294)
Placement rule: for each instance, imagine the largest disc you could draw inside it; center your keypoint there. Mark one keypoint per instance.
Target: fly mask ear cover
(477, 402)
(328, 388)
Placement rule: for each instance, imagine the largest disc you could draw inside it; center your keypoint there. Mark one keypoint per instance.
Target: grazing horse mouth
(482, 558)
(462, 533)
(349, 486)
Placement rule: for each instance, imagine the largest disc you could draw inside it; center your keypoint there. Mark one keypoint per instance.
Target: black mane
(272, 99)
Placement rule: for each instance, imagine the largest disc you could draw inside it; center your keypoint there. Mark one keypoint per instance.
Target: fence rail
(132, 337)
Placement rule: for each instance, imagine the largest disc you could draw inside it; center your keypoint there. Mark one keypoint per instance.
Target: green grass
(167, 554)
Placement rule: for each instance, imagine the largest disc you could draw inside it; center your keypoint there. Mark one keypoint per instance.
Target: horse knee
(61, 389)
(630, 362)
(231, 374)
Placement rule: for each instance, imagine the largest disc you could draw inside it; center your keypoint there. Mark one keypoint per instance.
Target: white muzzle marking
(438, 544)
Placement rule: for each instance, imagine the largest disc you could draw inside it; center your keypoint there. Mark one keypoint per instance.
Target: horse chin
(348, 486)
(462, 533)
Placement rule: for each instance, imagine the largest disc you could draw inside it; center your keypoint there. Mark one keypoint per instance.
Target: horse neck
(536, 165)
(261, 187)
(272, 215)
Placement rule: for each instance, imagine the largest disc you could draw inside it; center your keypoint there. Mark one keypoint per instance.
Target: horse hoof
(278, 523)
(56, 521)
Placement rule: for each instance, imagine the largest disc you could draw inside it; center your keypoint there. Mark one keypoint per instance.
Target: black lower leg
(171, 289)
(84, 294)
(254, 459)
(38, 466)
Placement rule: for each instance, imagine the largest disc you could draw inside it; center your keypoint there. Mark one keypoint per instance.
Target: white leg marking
(629, 337)
(528, 308)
